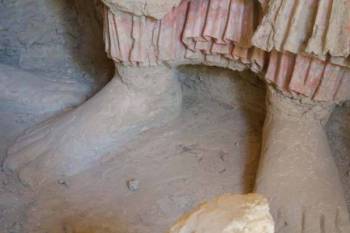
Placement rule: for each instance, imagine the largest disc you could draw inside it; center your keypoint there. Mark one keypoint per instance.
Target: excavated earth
(212, 148)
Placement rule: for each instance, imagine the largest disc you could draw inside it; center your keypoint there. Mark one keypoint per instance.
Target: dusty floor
(212, 148)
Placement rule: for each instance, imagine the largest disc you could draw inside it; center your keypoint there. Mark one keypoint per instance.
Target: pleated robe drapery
(233, 33)
(186, 33)
(319, 28)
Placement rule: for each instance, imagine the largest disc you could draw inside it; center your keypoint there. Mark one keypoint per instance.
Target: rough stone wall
(62, 38)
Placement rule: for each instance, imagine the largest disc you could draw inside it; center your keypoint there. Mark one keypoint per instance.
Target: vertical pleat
(273, 29)
(155, 38)
(216, 20)
(283, 19)
(314, 77)
(330, 83)
(285, 70)
(120, 30)
(343, 92)
(264, 35)
(271, 72)
(152, 34)
(300, 26)
(138, 53)
(195, 22)
(235, 22)
(106, 32)
(300, 73)
(181, 12)
(338, 36)
(316, 43)
(167, 37)
(248, 23)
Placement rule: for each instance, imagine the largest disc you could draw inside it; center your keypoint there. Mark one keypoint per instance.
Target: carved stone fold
(299, 74)
(187, 32)
(153, 8)
(303, 46)
(319, 28)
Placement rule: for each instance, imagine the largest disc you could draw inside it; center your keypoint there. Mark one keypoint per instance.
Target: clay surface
(228, 214)
(210, 149)
(144, 95)
(222, 118)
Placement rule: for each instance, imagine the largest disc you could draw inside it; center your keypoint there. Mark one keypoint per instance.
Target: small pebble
(348, 173)
(133, 185)
(5, 181)
(67, 229)
(62, 182)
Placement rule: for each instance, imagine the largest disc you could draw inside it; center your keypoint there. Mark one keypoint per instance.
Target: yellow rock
(228, 214)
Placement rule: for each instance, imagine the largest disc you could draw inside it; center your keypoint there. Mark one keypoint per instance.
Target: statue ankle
(299, 108)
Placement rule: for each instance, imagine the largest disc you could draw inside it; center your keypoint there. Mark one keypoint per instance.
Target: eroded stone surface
(226, 34)
(152, 8)
(297, 172)
(135, 100)
(102, 111)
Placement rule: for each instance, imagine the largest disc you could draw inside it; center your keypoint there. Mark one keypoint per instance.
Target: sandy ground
(212, 148)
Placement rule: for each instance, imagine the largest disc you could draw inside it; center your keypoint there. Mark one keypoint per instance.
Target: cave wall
(62, 38)
(51, 59)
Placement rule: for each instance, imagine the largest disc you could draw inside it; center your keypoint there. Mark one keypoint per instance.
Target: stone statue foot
(135, 100)
(297, 172)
